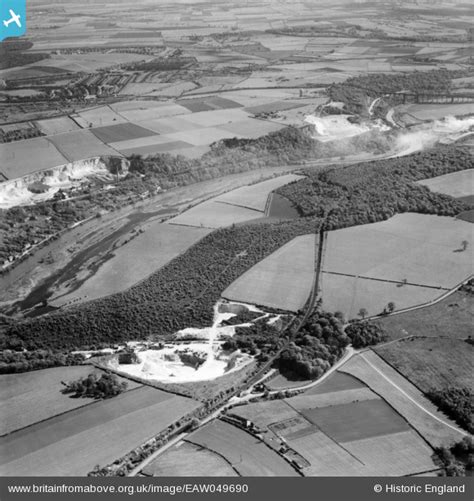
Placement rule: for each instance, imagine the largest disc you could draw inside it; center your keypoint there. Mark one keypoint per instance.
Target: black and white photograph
(236, 241)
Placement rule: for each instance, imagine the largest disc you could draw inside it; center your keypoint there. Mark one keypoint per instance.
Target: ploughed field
(283, 280)
(340, 427)
(73, 443)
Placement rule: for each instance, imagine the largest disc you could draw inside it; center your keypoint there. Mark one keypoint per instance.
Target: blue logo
(12, 18)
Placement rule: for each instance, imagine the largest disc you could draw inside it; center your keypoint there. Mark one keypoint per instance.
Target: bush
(364, 334)
(93, 386)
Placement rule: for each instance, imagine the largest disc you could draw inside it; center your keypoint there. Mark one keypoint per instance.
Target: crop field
(283, 280)
(208, 103)
(156, 113)
(215, 215)
(351, 421)
(97, 117)
(216, 117)
(121, 132)
(56, 125)
(139, 258)
(431, 363)
(251, 128)
(79, 145)
(423, 249)
(452, 317)
(456, 184)
(31, 397)
(201, 136)
(335, 425)
(407, 400)
(189, 460)
(31, 155)
(349, 294)
(342, 397)
(248, 455)
(73, 443)
(255, 196)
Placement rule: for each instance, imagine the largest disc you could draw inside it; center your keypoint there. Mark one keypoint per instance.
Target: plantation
(177, 296)
(374, 191)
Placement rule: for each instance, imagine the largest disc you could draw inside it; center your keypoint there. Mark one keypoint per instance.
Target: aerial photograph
(236, 238)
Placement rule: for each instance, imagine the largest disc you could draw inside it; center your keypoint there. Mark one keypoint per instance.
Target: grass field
(25, 157)
(136, 260)
(34, 396)
(97, 117)
(215, 215)
(73, 443)
(79, 145)
(420, 248)
(189, 460)
(453, 317)
(403, 397)
(457, 184)
(349, 294)
(248, 455)
(256, 196)
(265, 413)
(436, 111)
(56, 125)
(283, 280)
(432, 363)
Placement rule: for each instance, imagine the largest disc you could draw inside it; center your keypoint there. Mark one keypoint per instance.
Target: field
(97, 117)
(73, 443)
(136, 260)
(453, 317)
(283, 280)
(120, 132)
(25, 157)
(431, 363)
(409, 259)
(79, 145)
(436, 111)
(31, 397)
(189, 460)
(405, 398)
(247, 455)
(457, 184)
(341, 427)
(256, 196)
(56, 125)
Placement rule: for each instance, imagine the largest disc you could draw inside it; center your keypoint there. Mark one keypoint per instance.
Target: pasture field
(121, 132)
(423, 249)
(405, 398)
(210, 102)
(79, 145)
(457, 184)
(21, 158)
(431, 363)
(56, 125)
(167, 125)
(216, 117)
(349, 294)
(282, 280)
(134, 261)
(134, 105)
(34, 396)
(142, 142)
(452, 317)
(200, 136)
(189, 460)
(158, 147)
(255, 196)
(338, 381)
(97, 117)
(73, 443)
(215, 215)
(248, 456)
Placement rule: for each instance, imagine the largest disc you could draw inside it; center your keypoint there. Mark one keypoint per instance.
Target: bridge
(433, 98)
